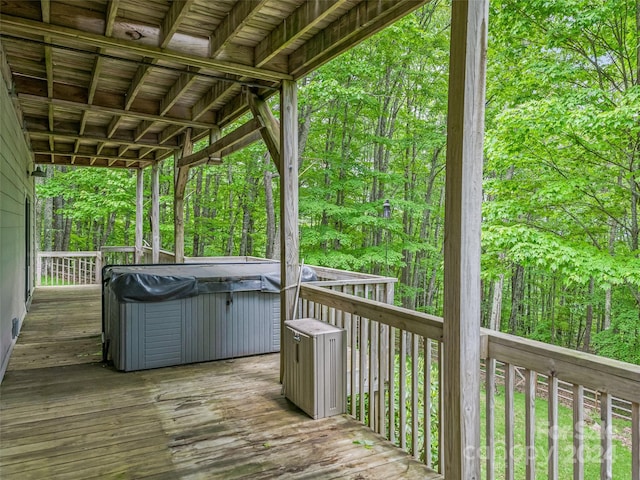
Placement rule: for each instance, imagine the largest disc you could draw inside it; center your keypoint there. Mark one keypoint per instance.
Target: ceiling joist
(15, 25)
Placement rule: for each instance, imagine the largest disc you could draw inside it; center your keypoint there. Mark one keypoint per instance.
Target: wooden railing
(68, 268)
(82, 268)
(394, 380)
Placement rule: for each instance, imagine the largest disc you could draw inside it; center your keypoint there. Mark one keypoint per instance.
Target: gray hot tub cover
(173, 282)
(146, 287)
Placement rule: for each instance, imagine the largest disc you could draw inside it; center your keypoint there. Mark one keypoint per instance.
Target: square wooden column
(180, 177)
(463, 199)
(155, 213)
(289, 236)
(139, 214)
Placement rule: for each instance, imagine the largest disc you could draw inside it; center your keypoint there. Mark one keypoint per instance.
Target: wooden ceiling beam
(45, 6)
(241, 14)
(170, 25)
(303, 19)
(142, 129)
(80, 161)
(358, 24)
(308, 15)
(182, 84)
(110, 18)
(84, 154)
(118, 152)
(215, 94)
(172, 131)
(117, 140)
(109, 110)
(172, 20)
(236, 136)
(16, 25)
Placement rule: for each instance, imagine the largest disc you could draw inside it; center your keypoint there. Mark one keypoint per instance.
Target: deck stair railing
(394, 378)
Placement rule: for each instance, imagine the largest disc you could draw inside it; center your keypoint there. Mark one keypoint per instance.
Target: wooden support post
(181, 175)
(139, 214)
(463, 197)
(155, 212)
(289, 240)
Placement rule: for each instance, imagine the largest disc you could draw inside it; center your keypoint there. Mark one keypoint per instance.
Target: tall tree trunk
(586, 346)
(496, 303)
(111, 222)
(517, 296)
(197, 199)
(270, 248)
(230, 238)
(47, 220)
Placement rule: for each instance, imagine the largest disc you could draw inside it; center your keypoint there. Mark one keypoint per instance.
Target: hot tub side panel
(206, 327)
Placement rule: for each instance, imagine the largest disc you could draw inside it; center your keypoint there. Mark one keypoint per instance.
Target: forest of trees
(561, 260)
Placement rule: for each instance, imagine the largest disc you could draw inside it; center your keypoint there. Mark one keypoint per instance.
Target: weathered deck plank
(65, 415)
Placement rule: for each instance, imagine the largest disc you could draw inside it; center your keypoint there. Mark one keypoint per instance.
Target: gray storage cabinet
(176, 314)
(315, 376)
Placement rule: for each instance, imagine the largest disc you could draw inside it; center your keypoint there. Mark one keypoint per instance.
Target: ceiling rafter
(45, 7)
(362, 21)
(194, 64)
(85, 151)
(241, 14)
(95, 138)
(170, 24)
(80, 106)
(303, 19)
(97, 67)
(14, 25)
(65, 159)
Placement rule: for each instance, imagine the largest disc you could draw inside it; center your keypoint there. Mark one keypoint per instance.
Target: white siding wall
(15, 187)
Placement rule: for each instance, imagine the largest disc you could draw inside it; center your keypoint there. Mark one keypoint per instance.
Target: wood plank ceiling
(115, 83)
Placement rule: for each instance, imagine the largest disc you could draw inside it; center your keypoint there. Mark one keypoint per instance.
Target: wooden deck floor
(65, 415)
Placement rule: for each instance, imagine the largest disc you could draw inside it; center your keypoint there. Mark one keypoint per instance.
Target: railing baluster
(382, 377)
(402, 391)
(606, 433)
(426, 402)
(635, 440)
(553, 432)
(414, 396)
(490, 402)
(392, 384)
(509, 420)
(364, 345)
(354, 364)
(441, 432)
(531, 380)
(373, 376)
(578, 432)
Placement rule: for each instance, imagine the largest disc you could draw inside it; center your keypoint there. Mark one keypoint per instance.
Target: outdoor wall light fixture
(38, 172)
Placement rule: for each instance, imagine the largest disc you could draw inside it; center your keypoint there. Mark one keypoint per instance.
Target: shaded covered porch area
(64, 414)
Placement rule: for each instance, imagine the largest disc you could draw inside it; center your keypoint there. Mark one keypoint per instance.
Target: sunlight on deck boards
(65, 415)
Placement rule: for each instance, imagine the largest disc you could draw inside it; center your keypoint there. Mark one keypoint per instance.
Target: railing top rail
(121, 249)
(600, 373)
(351, 281)
(423, 324)
(68, 254)
(618, 378)
(336, 274)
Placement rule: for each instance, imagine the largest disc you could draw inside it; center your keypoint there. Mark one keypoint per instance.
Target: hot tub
(172, 314)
